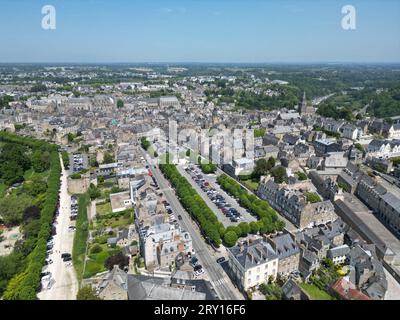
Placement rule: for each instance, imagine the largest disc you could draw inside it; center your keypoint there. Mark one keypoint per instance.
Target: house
(338, 254)
(335, 160)
(142, 287)
(242, 166)
(111, 285)
(161, 245)
(367, 272)
(384, 148)
(293, 204)
(324, 146)
(308, 263)
(292, 291)
(120, 201)
(350, 131)
(252, 263)
(345, 290)
(288, 252)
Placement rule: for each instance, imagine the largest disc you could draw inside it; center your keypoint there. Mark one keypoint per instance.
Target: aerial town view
(200, 150)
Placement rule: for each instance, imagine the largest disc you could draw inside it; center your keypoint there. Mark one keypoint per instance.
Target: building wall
(288, 264)
(78, 185)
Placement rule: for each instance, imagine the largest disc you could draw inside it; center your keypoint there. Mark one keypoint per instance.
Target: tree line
(268, 218)
(194, 204)
(25, 282)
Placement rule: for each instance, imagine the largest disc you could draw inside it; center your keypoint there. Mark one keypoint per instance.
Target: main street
(66, 283)
(219, 279)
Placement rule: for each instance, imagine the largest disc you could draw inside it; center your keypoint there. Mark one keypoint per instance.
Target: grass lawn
(315, 293)
(252, 185)
(103, 208)
(30, 174)
(3, 189)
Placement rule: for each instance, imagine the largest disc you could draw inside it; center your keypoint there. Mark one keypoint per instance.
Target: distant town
(199, 182)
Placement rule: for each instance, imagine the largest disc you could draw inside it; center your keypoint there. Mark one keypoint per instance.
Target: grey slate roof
(253, 254)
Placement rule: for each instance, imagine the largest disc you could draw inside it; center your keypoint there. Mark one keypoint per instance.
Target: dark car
(65, 259)
(64, 255)
(220, 260)
(233, 219)
(179, 217)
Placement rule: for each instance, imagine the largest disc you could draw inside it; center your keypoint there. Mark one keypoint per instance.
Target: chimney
(241, 247)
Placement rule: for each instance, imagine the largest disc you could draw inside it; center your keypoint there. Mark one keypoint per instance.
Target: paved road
(66, 283)
(219, 279)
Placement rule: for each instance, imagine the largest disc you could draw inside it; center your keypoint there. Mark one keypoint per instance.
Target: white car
(46, 278)
(51, 283)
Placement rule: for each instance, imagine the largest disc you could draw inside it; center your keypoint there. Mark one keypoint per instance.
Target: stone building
(294, 206)
(288, 252)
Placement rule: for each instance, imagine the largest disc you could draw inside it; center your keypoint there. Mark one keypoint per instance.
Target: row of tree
(194, 204)
(25, 283)
(268, 218)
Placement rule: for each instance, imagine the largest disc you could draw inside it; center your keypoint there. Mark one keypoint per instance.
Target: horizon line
(203, 62)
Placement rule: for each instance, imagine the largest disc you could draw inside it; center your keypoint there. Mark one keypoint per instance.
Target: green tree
(40, 160)
(12, 208)
(94, 192)
(279, 174)
(120, 104)
(244, 228)
(108, 158)
(230, 238)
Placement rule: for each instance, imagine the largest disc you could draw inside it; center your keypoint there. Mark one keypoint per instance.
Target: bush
(96, 249)
(312, 197)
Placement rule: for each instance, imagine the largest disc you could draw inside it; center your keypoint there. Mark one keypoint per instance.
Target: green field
(315, 293)
(103, 208)
(3, 189)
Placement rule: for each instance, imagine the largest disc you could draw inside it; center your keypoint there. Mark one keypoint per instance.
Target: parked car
(179, 217)
(64, 255)
(221, 259)
(194, 261)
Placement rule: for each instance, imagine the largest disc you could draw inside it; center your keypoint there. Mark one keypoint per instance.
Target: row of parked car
(77, 163)
(74, 207)
(197, 267)
(214, 195)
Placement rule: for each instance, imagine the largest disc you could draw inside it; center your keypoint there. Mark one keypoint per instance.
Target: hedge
(81, 234)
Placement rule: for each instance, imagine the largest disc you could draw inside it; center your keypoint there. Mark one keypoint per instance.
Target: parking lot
(225, 207)
(78, 162)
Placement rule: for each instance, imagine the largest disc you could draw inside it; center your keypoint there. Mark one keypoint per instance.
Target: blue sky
(200, 31)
